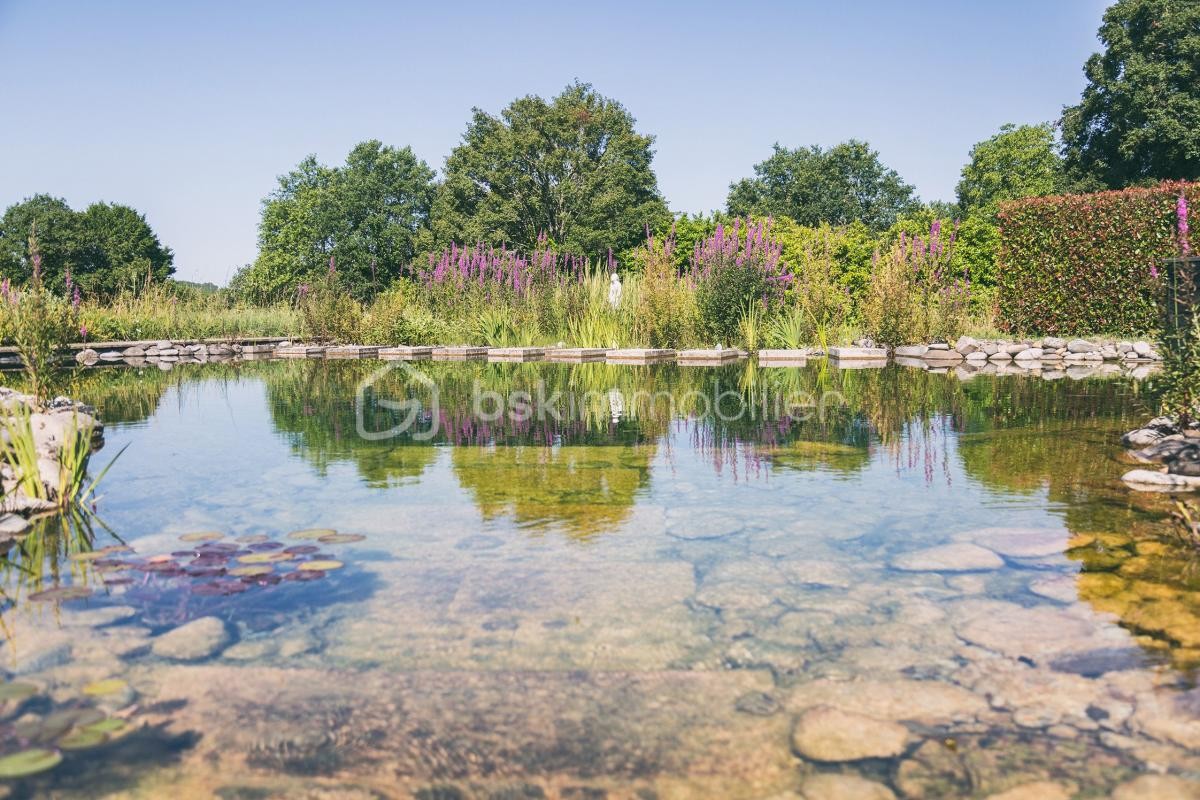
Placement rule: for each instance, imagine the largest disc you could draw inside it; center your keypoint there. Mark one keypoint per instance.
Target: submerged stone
(194, 641)
(829, 734)
(832, 786)
(962, 557)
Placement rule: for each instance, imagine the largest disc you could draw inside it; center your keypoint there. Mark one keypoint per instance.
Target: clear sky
(188, 111)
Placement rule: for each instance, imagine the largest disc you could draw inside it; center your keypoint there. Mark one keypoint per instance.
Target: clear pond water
(593, 581)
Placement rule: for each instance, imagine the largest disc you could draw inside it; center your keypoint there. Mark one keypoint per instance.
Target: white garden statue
(614, 291)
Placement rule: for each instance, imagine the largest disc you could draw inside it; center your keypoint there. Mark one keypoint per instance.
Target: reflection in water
(658, 579)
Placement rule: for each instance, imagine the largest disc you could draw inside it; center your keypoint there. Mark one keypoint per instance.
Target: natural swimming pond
(594, 581)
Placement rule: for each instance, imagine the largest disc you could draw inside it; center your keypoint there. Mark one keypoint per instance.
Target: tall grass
(68, 485)
(157, 311)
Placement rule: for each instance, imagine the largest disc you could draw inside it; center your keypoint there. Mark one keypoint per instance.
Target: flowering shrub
(736, 265)
(1079, 264)
(665, 311)
(916, 293)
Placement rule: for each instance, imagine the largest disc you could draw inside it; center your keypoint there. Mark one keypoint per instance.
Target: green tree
(1019, 161)
(122, 251)
(106, 247)
(573, 169)
(1139, 117)
(60, 236)
(843, 184)
(368, 216)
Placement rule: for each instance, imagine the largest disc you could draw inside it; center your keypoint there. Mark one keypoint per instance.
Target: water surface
(642, 594)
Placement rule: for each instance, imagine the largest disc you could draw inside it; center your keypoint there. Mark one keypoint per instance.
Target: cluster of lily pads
(213, 564)
(38, 743)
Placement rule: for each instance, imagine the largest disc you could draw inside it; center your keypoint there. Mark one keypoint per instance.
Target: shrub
(822, 305)
(665, 308)
(327, 311)
(736, 265)
(916, 293)
(393, 319)
(1085, 264)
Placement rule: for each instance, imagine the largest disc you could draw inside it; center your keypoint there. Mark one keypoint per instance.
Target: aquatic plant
(19, 449)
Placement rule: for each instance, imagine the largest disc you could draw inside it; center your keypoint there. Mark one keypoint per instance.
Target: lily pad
(109, 725)
(90, 555)
(16, 691)
(304, 575)
(29, 762)
(341, 538)
(61, 593)
(205, 572)
(251, 570)
(82, 740)
(218, 588)
(301, 549)
(311, 533)
(105, 687)
(321, 566)
(262, 547)
(264, 558)
(252, 538)
(202, 536)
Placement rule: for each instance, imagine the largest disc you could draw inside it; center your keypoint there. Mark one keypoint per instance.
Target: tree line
(575, 173)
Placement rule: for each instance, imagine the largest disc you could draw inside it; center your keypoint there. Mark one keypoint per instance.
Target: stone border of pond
(1048, 357)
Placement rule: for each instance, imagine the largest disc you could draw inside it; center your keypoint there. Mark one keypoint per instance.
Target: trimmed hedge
(1082, 264)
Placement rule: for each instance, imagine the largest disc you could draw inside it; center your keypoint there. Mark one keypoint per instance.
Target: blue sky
(188, 111)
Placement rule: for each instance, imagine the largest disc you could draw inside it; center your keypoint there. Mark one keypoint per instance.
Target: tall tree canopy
(367, 215)
(573, 169)
(1017, 162)
(107, 247)
(1139, 117)
(812, 185)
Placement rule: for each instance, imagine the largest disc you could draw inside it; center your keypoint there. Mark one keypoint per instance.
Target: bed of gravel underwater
(731, 582)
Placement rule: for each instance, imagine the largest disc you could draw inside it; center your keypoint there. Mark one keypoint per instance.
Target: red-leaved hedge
(1084, 264)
